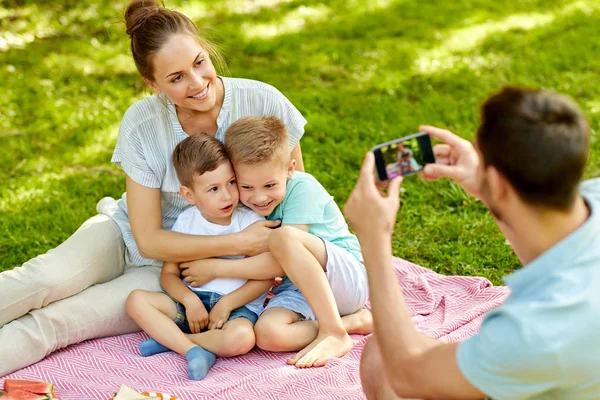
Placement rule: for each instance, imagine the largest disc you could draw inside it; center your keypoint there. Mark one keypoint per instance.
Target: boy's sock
(199, 362)
(151, 347)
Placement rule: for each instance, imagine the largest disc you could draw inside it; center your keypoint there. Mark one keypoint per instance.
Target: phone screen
(403, 156)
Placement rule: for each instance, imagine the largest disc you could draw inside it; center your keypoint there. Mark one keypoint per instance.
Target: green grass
(361, 71)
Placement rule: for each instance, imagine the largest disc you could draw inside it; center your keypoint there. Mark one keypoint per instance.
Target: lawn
(361, 72)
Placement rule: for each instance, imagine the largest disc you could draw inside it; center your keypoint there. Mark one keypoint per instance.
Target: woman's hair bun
(138, 12)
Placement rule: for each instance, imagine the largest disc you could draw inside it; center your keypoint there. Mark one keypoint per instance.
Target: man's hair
(256, 140)
(538, 140)
(197, 154)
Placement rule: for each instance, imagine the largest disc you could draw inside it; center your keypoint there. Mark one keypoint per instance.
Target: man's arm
(416, 366)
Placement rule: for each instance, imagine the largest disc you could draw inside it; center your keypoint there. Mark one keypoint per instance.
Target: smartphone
(404, 156)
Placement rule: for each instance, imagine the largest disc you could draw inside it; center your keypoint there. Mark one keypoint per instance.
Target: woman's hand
(371, 213)
(255, 238)
(195, 313)
(457, 159)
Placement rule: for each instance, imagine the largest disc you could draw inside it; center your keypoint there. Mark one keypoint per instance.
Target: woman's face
(184, 73)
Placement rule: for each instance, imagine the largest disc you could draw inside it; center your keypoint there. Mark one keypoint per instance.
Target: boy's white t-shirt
(192, 222)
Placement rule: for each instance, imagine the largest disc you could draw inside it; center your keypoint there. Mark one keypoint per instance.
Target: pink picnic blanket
(449, 308)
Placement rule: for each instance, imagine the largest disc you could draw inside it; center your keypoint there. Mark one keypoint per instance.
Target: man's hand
(219, 314)
(457, 159)
(369, 211)
(196, 313)
(198, 272)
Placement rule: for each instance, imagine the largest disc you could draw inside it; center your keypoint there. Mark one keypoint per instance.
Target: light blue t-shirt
(307, 202)
(544, 341)
(150, 131)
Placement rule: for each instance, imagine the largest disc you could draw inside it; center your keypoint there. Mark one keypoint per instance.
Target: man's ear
(291, 168)
(152, 85)
(499, 187)
(187, 194)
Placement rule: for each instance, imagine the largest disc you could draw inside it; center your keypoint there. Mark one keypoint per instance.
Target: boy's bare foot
(321, 350)
(359, 323)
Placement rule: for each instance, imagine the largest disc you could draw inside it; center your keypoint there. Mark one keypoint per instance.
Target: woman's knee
(239, 340)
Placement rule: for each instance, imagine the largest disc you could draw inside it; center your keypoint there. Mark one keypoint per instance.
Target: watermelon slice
(18, 394)
(38, 387)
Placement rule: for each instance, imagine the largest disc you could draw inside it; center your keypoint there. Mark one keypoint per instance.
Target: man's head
(259, 150)
(536, 141)
(206, 176)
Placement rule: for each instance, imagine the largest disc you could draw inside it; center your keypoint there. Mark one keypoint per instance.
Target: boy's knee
(239, 341)
(270, 336)
(282, 237)
(135, 300)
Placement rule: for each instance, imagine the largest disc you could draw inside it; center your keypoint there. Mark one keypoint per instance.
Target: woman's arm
(297, 155)
(145, 217)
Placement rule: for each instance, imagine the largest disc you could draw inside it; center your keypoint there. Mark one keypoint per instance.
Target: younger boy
(179, 319)
(313, 248)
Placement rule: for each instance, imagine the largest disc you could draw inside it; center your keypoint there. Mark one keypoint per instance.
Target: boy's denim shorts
(287, 295)
(209, 299)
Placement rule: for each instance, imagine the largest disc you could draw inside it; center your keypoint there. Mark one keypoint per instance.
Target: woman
(77, 291)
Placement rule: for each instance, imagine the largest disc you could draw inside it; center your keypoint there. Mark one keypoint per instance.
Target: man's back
(543, 342)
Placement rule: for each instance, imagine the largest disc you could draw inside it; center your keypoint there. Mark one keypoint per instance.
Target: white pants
(72, 293)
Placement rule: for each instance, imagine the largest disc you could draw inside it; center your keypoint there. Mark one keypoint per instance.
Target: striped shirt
(150, 130)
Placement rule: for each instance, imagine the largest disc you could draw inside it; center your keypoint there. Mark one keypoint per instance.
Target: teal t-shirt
(307, 202)
(544, 341)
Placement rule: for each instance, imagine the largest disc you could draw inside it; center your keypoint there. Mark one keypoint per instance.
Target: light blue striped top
(150, 131)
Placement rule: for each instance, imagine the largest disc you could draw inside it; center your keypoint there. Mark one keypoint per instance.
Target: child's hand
(219, 314)
(199, 272)
(196, 314)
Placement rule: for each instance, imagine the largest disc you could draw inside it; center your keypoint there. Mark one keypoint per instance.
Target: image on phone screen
(404, 156)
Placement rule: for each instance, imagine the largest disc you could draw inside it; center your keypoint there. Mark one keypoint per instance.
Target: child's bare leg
(155, 313)
(235, 338)
(279, 329)
(303, 257)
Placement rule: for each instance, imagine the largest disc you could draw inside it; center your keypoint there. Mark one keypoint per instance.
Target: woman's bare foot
(359, 323)
(321, 350)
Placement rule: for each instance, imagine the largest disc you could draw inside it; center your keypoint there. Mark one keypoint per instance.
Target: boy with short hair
(179, 319)
(314, 249)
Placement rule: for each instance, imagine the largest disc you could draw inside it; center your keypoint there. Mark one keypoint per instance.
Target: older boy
(325, 276)
(178, 320)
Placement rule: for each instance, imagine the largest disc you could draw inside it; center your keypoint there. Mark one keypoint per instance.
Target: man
(526, 166)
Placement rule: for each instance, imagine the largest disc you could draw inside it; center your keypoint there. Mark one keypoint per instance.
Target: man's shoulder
(591, 188)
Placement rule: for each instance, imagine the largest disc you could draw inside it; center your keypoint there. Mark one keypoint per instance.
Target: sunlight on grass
(24, 26)
(293, 22)
(370, 5)
(593, 106)
(101, 143)
(249, 7)
(41, 185)
(443, 57)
